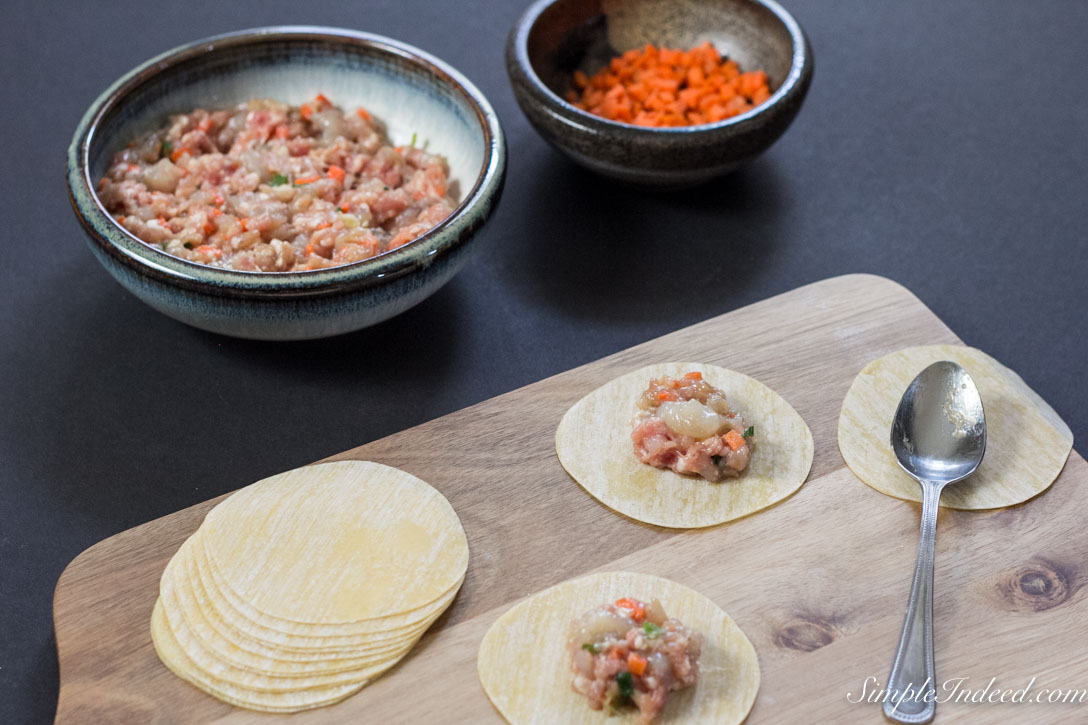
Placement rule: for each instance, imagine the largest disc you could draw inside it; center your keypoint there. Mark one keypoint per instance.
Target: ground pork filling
(267, 187)
(685, 424)
(630, 653)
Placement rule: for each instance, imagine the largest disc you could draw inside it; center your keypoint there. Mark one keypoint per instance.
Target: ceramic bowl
(556, 37)
(412, 92)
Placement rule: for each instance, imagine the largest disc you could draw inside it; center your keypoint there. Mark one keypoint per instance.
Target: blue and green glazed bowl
(412, 92)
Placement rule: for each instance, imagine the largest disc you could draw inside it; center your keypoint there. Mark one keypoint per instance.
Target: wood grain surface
(818, 582)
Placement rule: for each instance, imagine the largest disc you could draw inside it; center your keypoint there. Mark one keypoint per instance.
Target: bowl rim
(135, 253)
(587, 122)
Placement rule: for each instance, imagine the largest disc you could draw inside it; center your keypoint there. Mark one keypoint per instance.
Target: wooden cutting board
(819, 582)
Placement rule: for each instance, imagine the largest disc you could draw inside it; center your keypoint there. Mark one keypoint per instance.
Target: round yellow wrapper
(235, 647)
(307, 636)
(369, 529)
(236, 635)
(298, 590)
(285, 678)
(594, 445)
(1027, 443)
(538, 691)
(178, 662)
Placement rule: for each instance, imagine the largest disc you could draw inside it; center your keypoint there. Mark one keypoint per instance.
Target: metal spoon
(939, 436)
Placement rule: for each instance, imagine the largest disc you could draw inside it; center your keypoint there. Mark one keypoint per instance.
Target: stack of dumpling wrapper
(300, 589)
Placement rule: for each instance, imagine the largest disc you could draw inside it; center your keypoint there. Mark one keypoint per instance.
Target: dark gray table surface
(943, 144)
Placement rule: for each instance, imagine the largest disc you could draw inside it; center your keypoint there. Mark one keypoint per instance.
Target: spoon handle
(911, 683)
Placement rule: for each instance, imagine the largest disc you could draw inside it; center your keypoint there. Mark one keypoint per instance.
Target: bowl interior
(410, 97)
(584, 35)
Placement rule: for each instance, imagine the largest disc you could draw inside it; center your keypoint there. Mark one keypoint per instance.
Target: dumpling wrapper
(227, 644)
(294, 634)
(337, 543)
(536, 690)
(594, 445)
(178, 662)
(1027, 443)
(286, 680)
(359, 558)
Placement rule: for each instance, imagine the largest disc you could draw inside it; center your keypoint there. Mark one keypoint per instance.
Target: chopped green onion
(278, 180)
(165, 148)
(342, 210)
(651, 630)
(413, 144)
(751, 431)
(626, 682)
(188, 245)
(590, 647)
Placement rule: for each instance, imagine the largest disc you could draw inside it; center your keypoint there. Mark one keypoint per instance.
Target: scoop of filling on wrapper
(587, 652)
(685, 424)
(629, 653)
(663, 445)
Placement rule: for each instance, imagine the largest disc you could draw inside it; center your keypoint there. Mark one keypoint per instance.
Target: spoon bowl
(939, 429)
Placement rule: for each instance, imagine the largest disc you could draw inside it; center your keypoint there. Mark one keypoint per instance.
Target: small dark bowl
(556, 37)
(408, 90)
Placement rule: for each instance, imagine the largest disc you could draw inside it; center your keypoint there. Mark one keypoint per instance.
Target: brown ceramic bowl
(556, 37)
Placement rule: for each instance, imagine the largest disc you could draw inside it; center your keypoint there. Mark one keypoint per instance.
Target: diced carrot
(321, 97)
(694, 375)
(309, 249)
(205, 125)
(749, 83)
(337, 174)
(217, 212)
(323, 225)
(663, 87)
(736, 105)
(638, 611)
(178, 153)
(281, 131)
(209, 249)
(734, 440)
(307, 180)
(245, 224)
(363, 114)
(690, 96)
(665, 395)
(306, 111)
(636, 663)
